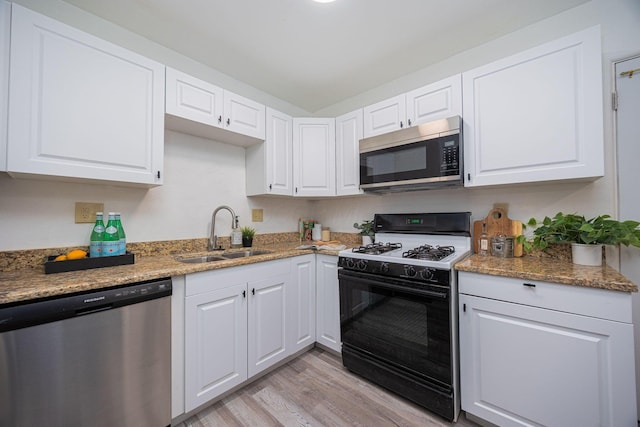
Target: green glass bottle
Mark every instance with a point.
(97, 233)
(122, 243)
(110, 238)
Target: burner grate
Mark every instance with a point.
(428, 252)
(377, 248)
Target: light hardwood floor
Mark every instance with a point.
(315, 390)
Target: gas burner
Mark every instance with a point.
(377, 248)
(428, 252)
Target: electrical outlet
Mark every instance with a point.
(256, 215)
(86, 212)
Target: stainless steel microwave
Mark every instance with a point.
(421, 157)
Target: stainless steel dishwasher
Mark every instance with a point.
(92, 359)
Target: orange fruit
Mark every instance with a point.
(61, 258)
(76, 254)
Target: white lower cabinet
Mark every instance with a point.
(267, 334)
(302, 307)
(532, 356)
(5, 36)
(236, 326)
(328, 302)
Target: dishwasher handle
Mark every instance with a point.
(38, 312)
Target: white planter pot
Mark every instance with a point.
(366, 240)
(586, 254)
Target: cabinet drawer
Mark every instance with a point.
(600, 303)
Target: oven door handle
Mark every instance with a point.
(370, 281)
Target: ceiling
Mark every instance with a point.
(314, 55)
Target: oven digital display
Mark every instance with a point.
(414, 221)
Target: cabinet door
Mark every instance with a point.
(348, 136)
(522, 365)
(438, 100)
(328, 300)
(302, 304)
(385, 116)
(314, 159)
(193, 99)
(537, 115)
(5, 25)
(267, 322)
(244, 116)
(269, 165)
(215, 343)
(81, 107)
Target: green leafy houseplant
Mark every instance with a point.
(248, 232)
(366, 228)
(574, 228)
(586, 236)
(247, 236)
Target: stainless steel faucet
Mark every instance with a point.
(213, 239)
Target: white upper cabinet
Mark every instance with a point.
(435, 101)
(385, 116)
(268, 165)
(348, 136)
(5, 37)
(193, 99)
(314, 157)
(81, 107)
(202, 109)
(536, 115)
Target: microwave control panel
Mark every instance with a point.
(450, 155)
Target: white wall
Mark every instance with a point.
(619, 21)
(202, 174)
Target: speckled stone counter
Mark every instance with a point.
(31, 283)
(548, 270)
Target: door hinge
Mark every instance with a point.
(614, 101)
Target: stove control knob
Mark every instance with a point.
(410, 270)
(384, 267)
(362, 264)
(350, 262)
(426, 274)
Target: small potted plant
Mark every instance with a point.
(366, 231)
(247, 236)
(586, 236)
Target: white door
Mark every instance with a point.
(328, 296)
(628, 146)
(215, 343)
(278, 146)
(267, 320)
(348, 136)
(82, 107)
(193, 98)
(385, 116)
(314, 156)
(5, 25)
(243, 115)
(438, 100)
(302, 304)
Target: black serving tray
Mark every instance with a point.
(51, 266)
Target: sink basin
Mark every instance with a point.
(201, 259)
(222, 256)
(246, 253)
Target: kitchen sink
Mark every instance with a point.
(201, 259)
(246, 253)
(221, 257)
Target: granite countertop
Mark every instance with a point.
(548, 270)
(33, 283)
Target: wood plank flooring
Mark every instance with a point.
(315, 390)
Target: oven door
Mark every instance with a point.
(399, 323)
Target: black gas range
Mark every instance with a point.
(398, 307)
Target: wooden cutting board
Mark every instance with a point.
(498, 223)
